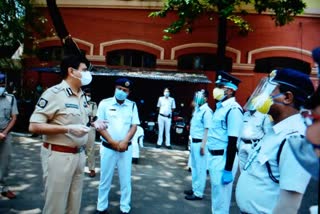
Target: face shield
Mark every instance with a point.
(261, 99)
(199, 98)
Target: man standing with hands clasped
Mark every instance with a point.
(61, 116)
(116, 150)
(166, 105)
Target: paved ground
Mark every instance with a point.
(158, 183)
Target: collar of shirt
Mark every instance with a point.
(68, 89)
(203, 106)
(228, 101)
(283, 125)
(114, 102)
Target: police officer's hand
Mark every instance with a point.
(2, 136)
(78, 130)
(100, 124)
(123, 146)
(227, 177)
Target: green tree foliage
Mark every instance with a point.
(228, 12)
(18, 21)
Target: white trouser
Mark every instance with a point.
(109, 160)
(198, 169)
(244, 151)
(164, 123)
(220, 193)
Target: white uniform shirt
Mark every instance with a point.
(166, 105)
(119, 117)
(218, 135)
(201, 119)
(255, 125)
(255, 191)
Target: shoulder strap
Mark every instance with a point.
(278, 161)
(229, 112)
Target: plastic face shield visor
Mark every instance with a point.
(261, 98)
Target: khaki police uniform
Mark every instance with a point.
(8, 107)
(90, 151)
(62, 171)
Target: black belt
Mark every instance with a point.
(218, 152)
(107, 145)
(195, 140)
(250, 141)
(163, 115)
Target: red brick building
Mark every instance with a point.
(119, 34)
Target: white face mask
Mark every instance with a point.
(88, 98)
(2, 90)
(86, 78)
(166, 93)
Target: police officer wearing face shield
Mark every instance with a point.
(201, 121)
(272, 180)
(8, 117)
(61, 116)
(222, 141)
(116, 149)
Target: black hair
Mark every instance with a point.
(70, 61)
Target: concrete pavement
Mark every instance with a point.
(158, 183)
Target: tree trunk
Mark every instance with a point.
(222, 43)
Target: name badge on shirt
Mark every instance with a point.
(70, 105)
(112, 109)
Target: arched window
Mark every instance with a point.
(53, 53)
(202, 62)
(131, 58)
(266, 65)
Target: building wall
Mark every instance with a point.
(99, 27)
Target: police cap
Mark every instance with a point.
(296, 80)
(124, 82)
(227, 80)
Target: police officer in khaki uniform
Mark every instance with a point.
(61, 115)
(8, 117)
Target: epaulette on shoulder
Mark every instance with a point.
(10, 95)
(56, 89)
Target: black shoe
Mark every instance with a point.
(192, 197)
(169, 147)
(123, 212)
(158, 146)
(188, 192)
(102, 212)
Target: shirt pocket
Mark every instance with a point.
(72, 115)
(219, 124)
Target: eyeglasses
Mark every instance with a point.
(309, 117)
